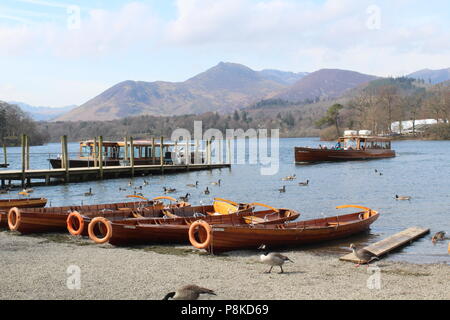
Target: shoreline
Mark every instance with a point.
(35, 267)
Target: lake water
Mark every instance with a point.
(420, 170)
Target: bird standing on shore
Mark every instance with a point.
(273, 259)
(363, 255)
(189, 292)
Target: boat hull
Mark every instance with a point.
(5, 205)
(228, 238)
(303, 155)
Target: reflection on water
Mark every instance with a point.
(421, 170)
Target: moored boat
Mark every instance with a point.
(176, 228)
(351, 146)
(220, 238)
(34, 220)
(7, 204)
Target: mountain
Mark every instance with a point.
(223, 88)
(42, 113)
(323, 84)
(431, 76)
(284, 77)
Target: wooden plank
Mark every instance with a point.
(391, 243)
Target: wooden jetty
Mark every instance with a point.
(67, 174)
(391, 243)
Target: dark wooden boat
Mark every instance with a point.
(7, 204)
(350, 147)
(34, 220)
(176, 228)
(220, 238)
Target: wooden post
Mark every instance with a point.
(27, 152)
(196, 157)
(188, 153)
(220, 152)
(65, 156)
(229, 150)
(132, 156)
(161, 153)
(208, 144)
(5, 157)
(152, 153)
(22, 142)
(100, 156)
(125, 157)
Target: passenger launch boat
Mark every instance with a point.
(219, 238)
(352, 146)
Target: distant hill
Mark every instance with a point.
(324, 84)
(284, 77)
(223, 88)
(42, 113)
(431, 76)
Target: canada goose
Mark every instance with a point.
(376, 170)
(288, 178)
(122, 189)
(138, 188)
(169, 190)
(438, 236)
(363, 255)
(193, 185)
(185, 198)
(138, 194)
(27, 190)
(282, 189)
(303, 183)
(130, 183)
(216, 183)
(88, 194)
(189, 292)
(397, 197)
(146, 183)
(273, 259)
(206, 190)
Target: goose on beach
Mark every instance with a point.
(283, 189)
(303, 183)
(189, 292)
(363, 255)
(438, 236)
(397, 197)
(273, 258)
(193, 185)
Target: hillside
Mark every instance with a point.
(223, 88)
(42, 113)
(323, 85)
(431, 76)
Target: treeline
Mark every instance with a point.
(14, 122)
(389, 100)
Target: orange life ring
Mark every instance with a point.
(14, 219)
(103, 222)
(75, 223)
(206, 227)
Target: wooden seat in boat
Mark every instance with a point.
(253, 220)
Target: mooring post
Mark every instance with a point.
(125, 156)
(229, 150)
(22, 142)
(27, 153)
(188, 153)
(161, 153)
(209, 152)
(65, 157)
(152, 151)
(196, 157)
(5, 156)
(132, 156)
(100, 156)
(95, 153)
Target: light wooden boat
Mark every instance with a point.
(220, 238)
(176, 228)
(7, 204)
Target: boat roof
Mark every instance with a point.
(136, 143)
(367, 138)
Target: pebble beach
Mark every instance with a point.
(36, 267)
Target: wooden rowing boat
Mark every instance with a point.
(176, 228)
(34, 220)
(7, 204)
(220, 238)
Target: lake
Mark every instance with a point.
(420, 170)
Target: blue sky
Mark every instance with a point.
(50, 57)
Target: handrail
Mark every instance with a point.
(264, 205)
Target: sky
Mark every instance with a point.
(57, 53)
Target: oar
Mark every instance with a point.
(264, 205)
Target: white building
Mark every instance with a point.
(405, 127)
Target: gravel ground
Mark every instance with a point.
(35, 267)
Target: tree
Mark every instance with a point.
(331, 117)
